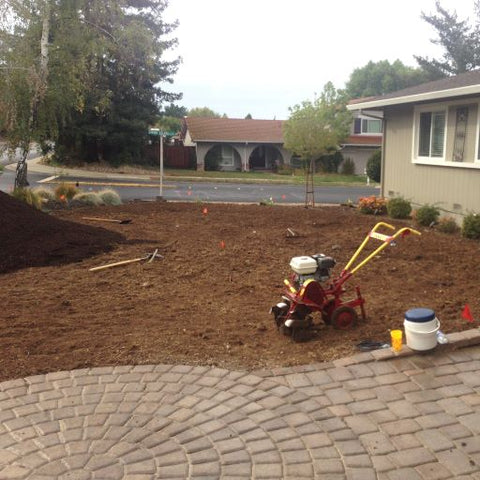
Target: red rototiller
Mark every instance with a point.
(305, 295)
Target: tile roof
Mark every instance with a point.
(234, 130)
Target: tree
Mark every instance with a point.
(378, 78)
(171, 118)
(83, 75)
(204, 112)
(317, 128)
(460, 42)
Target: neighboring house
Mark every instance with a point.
(236, 144)
(431, 151)
(248, 144)
(364, 139)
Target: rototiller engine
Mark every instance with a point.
(305, 294)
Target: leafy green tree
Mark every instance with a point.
(459, 39)
(378, 78)
(317, 128)
(204, 112)
(175, 111)
(171, 118)
(83, 75)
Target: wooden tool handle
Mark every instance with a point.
(116, 264)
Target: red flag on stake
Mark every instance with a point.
(467, 314)
(205, 211)
(222, 244)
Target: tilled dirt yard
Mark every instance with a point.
(207, 300)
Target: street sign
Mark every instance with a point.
(156, 132)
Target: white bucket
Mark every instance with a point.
(421, 327)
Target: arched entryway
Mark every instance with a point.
(265, 157)
(222, 157)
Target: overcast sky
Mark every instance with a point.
(263, 56)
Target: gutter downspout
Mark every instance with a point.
(382, 159)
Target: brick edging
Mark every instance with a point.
(456, 340)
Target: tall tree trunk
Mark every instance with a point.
(39, 90)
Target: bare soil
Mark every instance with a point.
(206, 301)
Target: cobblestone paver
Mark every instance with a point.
(360, 418)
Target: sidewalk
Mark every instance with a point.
(34, 165)
(382, 417)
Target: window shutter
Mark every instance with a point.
(357, 126)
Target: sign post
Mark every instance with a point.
(159, 133)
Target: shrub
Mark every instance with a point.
(110, 197)
(285, 170)
(399, 208)
(374, 166)
(45, 193)
(65, 191)
(88, 198)
(372, 205)
(347, 167)
(427, 215)
(447, 225)
(471, 226)
(28, 196)
(329, 163)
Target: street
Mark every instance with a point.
(145, 189)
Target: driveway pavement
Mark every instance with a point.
(376, 415)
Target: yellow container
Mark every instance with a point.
(396, 336)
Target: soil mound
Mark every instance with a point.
(30, 238)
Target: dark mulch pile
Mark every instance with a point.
(30, 238)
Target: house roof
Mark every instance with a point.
(460, 85)
(234, 130)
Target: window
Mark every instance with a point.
(227, 156)
(431, 134)
(367, 126)
(371, 126)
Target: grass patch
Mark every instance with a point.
(297, 177)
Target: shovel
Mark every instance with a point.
(111, 220)
(149, 258)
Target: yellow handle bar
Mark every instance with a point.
(385, 239)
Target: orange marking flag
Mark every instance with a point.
(467, 314)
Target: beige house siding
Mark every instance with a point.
(454, 187)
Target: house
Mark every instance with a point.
(431, 140)
(246, 144)
(236, 144)
(365, 138)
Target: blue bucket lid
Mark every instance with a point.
(420, 315)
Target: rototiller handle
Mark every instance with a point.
(385, 239)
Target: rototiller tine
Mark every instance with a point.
(305, 295)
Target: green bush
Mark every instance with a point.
(374, 166)
(471, 226)
(285, 170)
(329, 163)
(399, 208)
(65, 191)
(447, 225)
(427, 215)
(110, 197)
(347, 167)
(88, 198)
(28, 196)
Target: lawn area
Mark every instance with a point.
(298, 177)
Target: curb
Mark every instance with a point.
(456, 340)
